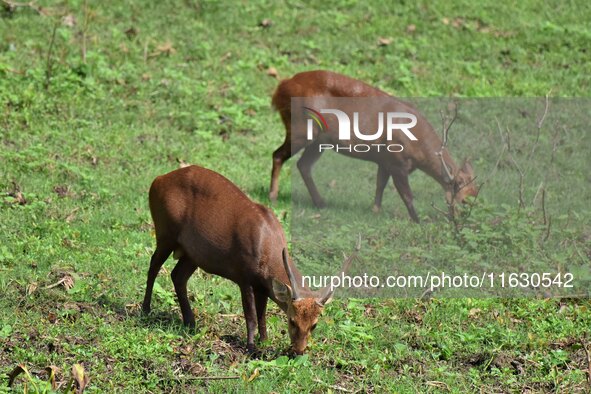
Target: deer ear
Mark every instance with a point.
(326, 299)
(282, 291)
(467, 167)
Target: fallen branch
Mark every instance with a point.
(335, 387)
(185, 378)
(67, 281)
(56, 284)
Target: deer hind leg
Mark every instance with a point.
(158, 258)
(381, 182)
(311, 154)
(280, 156)
(180, 276)
(401, 183)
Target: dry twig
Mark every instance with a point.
(49, 63)
(335, 387)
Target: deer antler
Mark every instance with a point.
(446, 127)
(295, 295)
(328, 291)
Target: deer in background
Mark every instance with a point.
(428, 154)
(207, 222)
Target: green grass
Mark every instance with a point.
(164, 82)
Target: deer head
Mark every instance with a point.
(303, 311)
(460, 184)
(463, 183)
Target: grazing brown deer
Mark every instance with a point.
(428, 154)
(207, 222)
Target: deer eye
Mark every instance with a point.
(292, 322)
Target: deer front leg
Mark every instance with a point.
(401, 183)
(250, 315)
(261, 299)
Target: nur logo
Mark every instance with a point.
(392, 121)
(318, 119)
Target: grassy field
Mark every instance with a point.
(98, 98)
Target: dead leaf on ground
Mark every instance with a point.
(20, 198)
(32, 287)
(69, 20)
(80, 377)
(186, 350)
(67, 281)
(72, 215)
(134, 307)
(474, 312)
(182, 163)
(198, 369)
(21, 368)
(369, 311)
(16, 193)
(383, 41)
(165, 48)
(71, 307)
(411, 28)
(131, 32)
(62, 190)
(225, 57)
(256, 373)
(272, 72)
(52, 370)
(52, 317)
(266, 23)
(457, 22)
